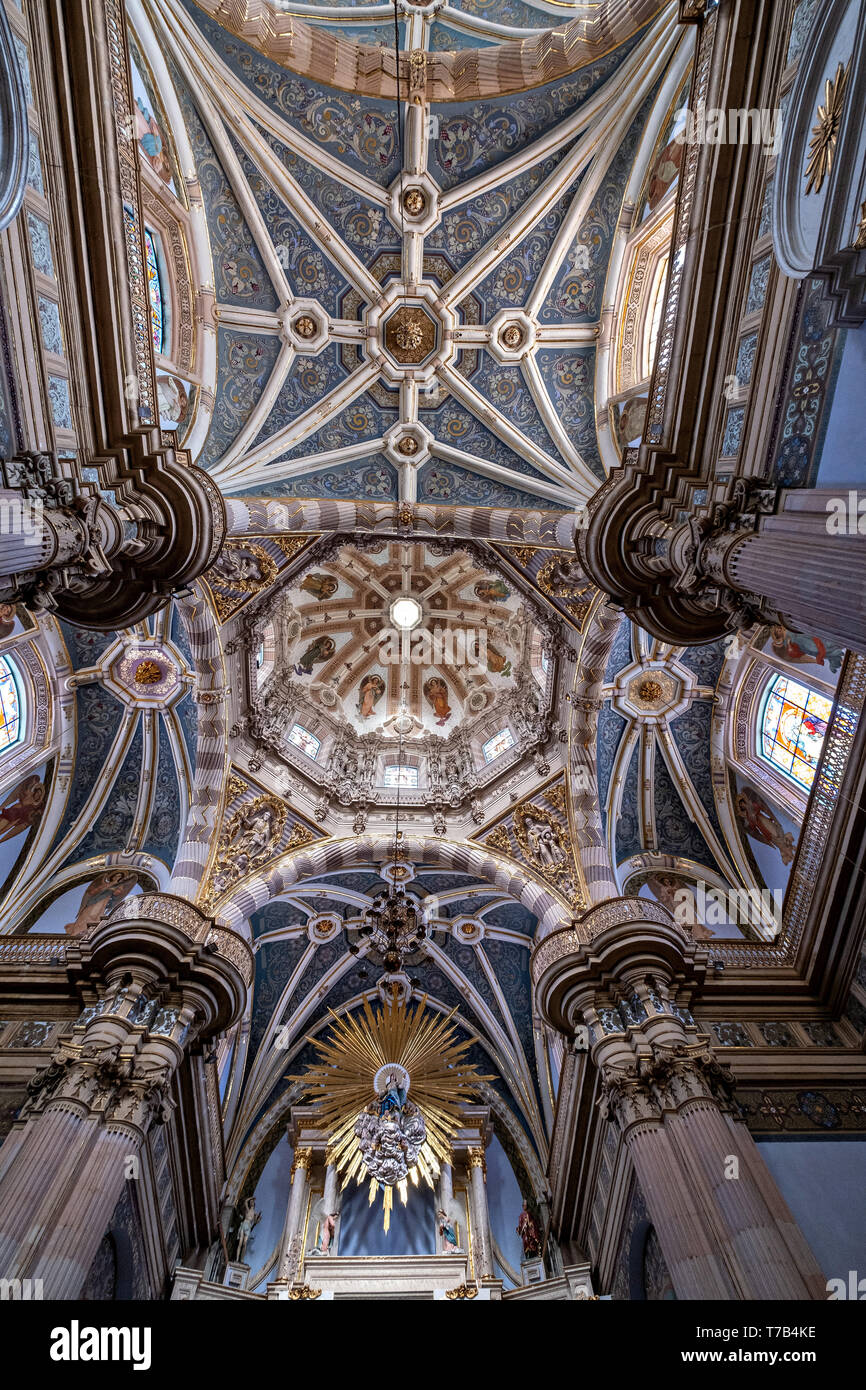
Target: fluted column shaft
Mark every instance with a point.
(292, 1256)
(483, 1248)
(627, 972)
(802, 569)
(89, 1111)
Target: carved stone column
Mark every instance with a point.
(100, 565)
(293, 1256)
(166, 980)
(627, 972)
(763, 555)
(483, 1246)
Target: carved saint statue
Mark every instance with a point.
(544, 843)
(448, 1233)
(326, 1232)
(249, 1220)
(394, 1096)
(527, 1229)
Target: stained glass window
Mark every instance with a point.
(654, 317)
(793, 725)
(498, 744)
(154, 291)
(399, 775)
(11, 723)
(303, 739)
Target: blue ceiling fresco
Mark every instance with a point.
(361, 224)
(99, 722)
(306, 269)
(362, 134)
(675, 831)
(365, 478)
(481, 136)
(465, 229)
(240, 274)
(309, 379)
(355, 137)
(449, 483)
(244, 364)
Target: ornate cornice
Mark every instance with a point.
(467, 75)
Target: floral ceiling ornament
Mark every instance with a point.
(148, 673)
(825, 132)
(361, 1080)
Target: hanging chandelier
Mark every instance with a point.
(393, 926)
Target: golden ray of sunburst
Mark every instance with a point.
(341, 1082)
(826, 130)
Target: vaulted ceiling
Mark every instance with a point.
(407, 295)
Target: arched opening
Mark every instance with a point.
(12, 706)
(792, 723)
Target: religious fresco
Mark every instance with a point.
(337, 633)
(22, 807)
(702, 908)
(176, 399)
(14, 619)
(150, 125)
(805, 649)
(667, 159)
(629, 417)
(770, 833)
(73, 909)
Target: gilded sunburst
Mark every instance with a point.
(366, 1069)
(825, 132)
